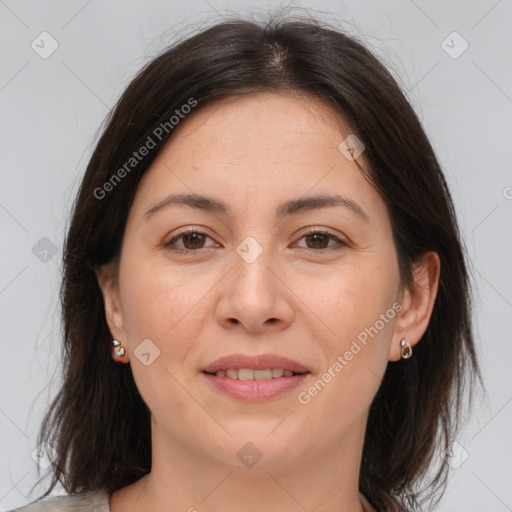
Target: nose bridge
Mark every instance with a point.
(254, 296)
(252, 260)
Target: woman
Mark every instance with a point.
(266, 303)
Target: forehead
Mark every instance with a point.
(264, 120)
(258, 147)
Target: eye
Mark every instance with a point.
(191, 240)
(317, 241)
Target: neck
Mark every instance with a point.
(323, 479)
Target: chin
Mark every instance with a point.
(256, 448)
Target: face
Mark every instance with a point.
(260, 271)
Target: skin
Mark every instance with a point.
(253, 153)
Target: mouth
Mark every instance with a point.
(255, 378)
(246, 374)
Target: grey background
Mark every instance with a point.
(51, 110)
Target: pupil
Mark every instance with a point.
(318, 239)
(195, 238)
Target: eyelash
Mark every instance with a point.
(310, 232)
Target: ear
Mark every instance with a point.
(107, 280)
(417, 303)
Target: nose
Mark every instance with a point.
(254, 296)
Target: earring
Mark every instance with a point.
(406, 349)
(117, 352)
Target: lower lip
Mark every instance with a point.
(255, 390)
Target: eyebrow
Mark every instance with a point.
(290, 207)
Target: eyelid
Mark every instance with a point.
(319, 230)
(187, 231)
(341, 242)
(309, 232)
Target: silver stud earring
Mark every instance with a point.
(117, 352)
(406, 349)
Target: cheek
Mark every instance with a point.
(166, 307)
(158, 300)
(359, 306)
(355, 354)
(353, 299)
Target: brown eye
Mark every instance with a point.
(316, 241)
(188, 241)
(193, 240)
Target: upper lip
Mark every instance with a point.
(259, 362)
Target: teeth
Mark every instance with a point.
(232, 374)
(245, 374)
(249, 374)
(262, 374)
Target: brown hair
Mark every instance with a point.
(98, 423)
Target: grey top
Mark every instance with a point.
(93, 501)
(89, 501)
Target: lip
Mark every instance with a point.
(259, 362)
(255, 390)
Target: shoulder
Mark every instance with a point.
(88, 501)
